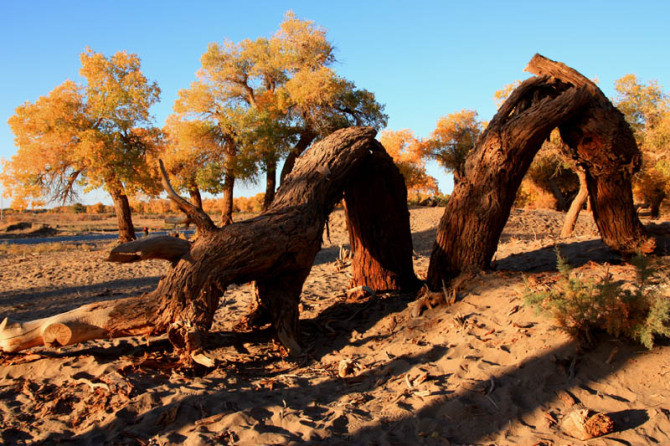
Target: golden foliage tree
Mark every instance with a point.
(453, 138)
(272, 97)
(408, 154)
(97, 135)
(647, 110)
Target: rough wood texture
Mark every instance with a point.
(602, 142)
(480, 204)
(154, 247)
(378, 225)
(276, 249)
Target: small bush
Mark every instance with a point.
(581, 307)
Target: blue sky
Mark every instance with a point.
(422, 59)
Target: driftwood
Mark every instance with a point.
(276, 249)
(600, 140)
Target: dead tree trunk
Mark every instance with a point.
(576, 206)
(480, 204)
(276, 249)
(378, 225)
(602, 142)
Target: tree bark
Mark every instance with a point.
(306, 138)
(576, 206)
(276, 249)
(123, 216)
(603, 143)
(270, 183)
(227, 201)
(382, 247)
(480, 204)
(196, 197)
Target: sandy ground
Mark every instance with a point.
(485, 370)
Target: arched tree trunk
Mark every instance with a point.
(602, 142)
(599, 139)
(576, 206)
(480, 204)
(123, 216)
(276, 249)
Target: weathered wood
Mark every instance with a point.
(154, 247)
(602, 142)
(480, 204)
(275, 249)
(378, 225)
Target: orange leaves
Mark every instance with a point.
(408, 154)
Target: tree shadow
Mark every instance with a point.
(458, 414)
(46, 301)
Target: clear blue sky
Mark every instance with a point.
(422, 59)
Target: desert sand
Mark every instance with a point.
(484, 370)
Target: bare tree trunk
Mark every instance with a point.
(276, 249)
(382, 247)
(227, 201)
(576, 206)
(601, 140)
(561, 204)
(306, 138)
(270, 182)
(196, 198)
(123, 216)
(480, 204)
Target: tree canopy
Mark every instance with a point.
(263, 99)
(97, 135)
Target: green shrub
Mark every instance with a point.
(580, 307)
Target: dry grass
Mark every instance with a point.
(44, 248)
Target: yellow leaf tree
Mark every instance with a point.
(408, 154)
(647, 109)
(96, 135)
(271, 98)
(453, 138)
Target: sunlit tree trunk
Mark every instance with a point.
(196, 197)
(123, 216)
(576, 206)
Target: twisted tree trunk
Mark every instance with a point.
(276, 249)
(602, 142)
(480, 204)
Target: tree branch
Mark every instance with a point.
(197, 215)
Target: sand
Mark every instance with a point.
(485, 370)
